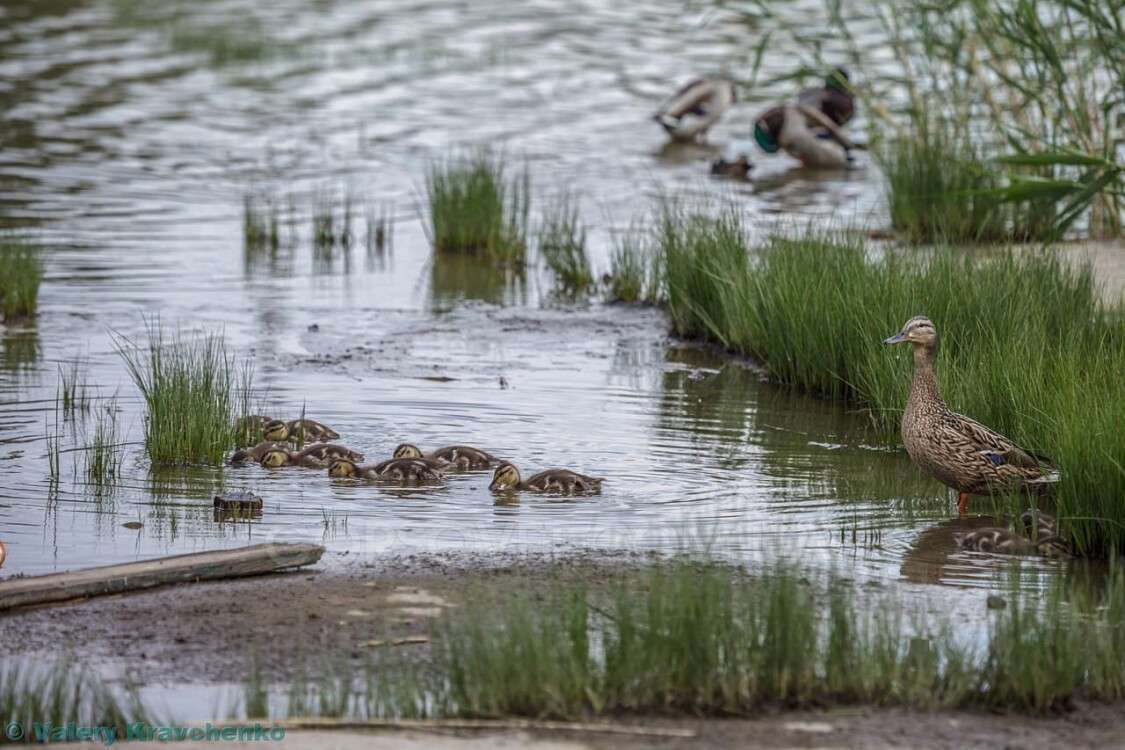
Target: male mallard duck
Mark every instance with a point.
(507, 477)
(834, 98)
(256, 452)
(401, 470)
(692, 110)
(314, 457)
(959, 452)
(454, 456)
(304, 430)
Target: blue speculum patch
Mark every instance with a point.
(995, 458)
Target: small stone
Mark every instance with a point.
(996, 602)
(314, 327)
(133, 525)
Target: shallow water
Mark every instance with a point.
(132, 131)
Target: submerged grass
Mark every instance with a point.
(194, 392)
(103, 454)
(478, 208)
(72, 396)
(699, 638)
(562, 243)
(1028, 346)
(21, 270)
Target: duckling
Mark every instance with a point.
(691, 111)
(406, 450)
(738, 168)
(455, 456)
(1043, 529)
(256, 452)
(997, 541)
(507, 477)
(305, 430)
(401, 470)
(313, 457)
(956, 450)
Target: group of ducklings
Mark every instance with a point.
(407, 466)
(1042, 538)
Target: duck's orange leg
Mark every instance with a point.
(963, 503)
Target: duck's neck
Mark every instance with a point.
(924, 394)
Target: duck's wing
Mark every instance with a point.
(693, 98)
(972, 436)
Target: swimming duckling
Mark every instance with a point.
(256, 452)
(507, 477)
(692, 110)
(997, 541)
(1044, 532)
(313, 457)
(455, 456)
(406, 450)
(304, 430)
(401, 470)
(737, 168)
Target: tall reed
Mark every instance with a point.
(193, 391)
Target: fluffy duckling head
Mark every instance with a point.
(507, 477)
(919, 331)
(406, 450)
(1039, 524)
(276, 430)
(275, 458)
(342, 468)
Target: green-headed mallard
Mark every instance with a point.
(834, 98)
(507, 477)
(400, 470)
(461, 457)
(314, 457)
(298, 430)
(959, 452)
(256, 452)
(690, 112)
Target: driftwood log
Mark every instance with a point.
(114, 579)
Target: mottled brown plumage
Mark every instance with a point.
(563, 481)
(256, 452)
(314, 457)
(461, 457)
(399, 470)
(299, 430)
(956, 450)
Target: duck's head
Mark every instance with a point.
(406, 450)
(838, 81)
(238, 456)
(275, 458)
(276, 430)
(342, 468)
(767, 129)
(507, 477)
(918, 331)
(1039, 523)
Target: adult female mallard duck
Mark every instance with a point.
(401, 470)
(314, 457)
(256, 452)
(692, 110)
(303, 430)
(461, 457)
(507, 477)
(959, 452)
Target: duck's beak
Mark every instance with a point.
(898, 338)
(494, 485)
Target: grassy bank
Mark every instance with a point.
(31, 696)
(21, 270)
(702, 639)
(1027, 345)
(194, 392)
(478, 208)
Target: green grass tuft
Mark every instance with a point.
(634, 275)
(1028, 346)
(31, 695)
(562, 243)
(194, 392)
(477, 208)
(21, 270)
(939, 190)
(104, 454)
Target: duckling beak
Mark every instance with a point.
(898, 338)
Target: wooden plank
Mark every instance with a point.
(114, 579)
